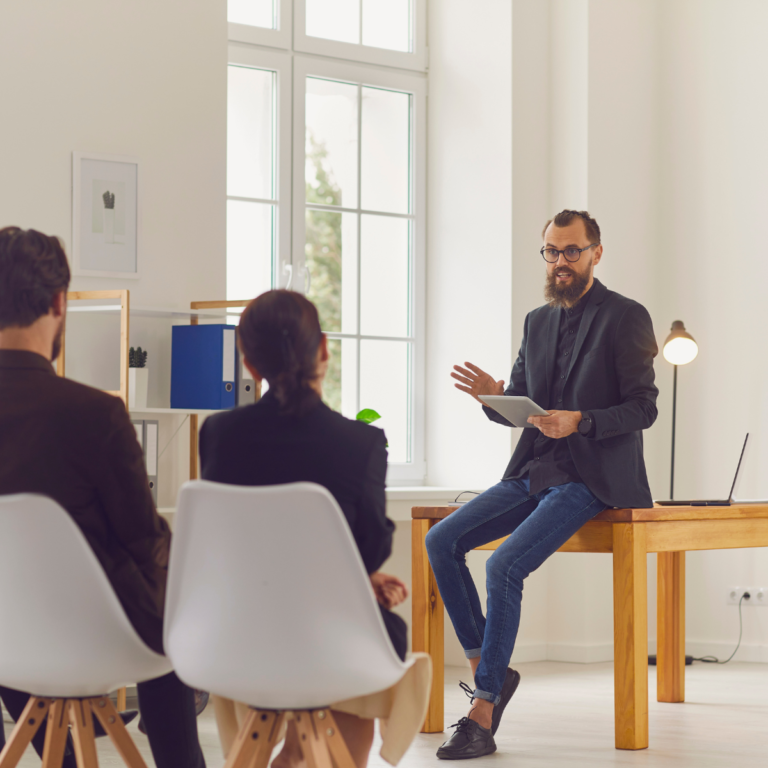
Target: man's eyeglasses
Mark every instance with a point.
(551, 255)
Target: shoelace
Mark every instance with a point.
(470, 693)
(461, 726)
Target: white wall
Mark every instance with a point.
(469, 280)
(144, 79)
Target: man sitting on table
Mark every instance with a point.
(587, 357)
(77, 445)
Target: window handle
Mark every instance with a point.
(307, 280)
(289, 269)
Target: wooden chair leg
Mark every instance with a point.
(81, 718)
(122, 700)
(56, 733)
(265, 753)
(29, 723)
(256, 739)
(112, 723)
(313, 745)
(326, 726)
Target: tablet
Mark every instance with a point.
(515, 410)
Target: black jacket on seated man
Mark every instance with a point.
(260, 445)
(610, 376)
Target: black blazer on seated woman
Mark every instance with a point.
(259, 445)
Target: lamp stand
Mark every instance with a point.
(674, 419)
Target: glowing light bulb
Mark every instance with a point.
(680, 347)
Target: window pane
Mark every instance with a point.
(384, 378)
(331, 143)
(250, 132)
(385, 276)
(331, 256)
(387, 24)
(256, 13)
(386, 151)
(334, 20)
(249, 249)
(340, 386)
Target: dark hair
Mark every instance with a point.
(33, 269)
(566, 217)
(279, 334)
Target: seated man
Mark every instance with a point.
(77, 445)
(587, 357)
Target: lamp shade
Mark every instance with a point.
(680, 347)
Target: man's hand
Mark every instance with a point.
(476, 382)
(389, 590)
(558, 424)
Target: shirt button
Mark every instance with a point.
(537, 458)
(559, 399)
(562, 377)
(571, 331)
(565, 354)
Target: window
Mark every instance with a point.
(346, 226)
(388, 32)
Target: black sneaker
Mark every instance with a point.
(469, 740)
(511, 681)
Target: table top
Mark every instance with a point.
(655, 514)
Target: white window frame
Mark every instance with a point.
(274, 38)
(281, 64)
(401, 473)
(418, 59)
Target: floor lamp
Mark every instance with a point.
(679, 349)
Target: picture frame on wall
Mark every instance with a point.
(105, 215)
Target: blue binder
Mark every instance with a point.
(203, 362)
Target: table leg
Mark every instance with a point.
(670, 651)
(428, 622)
(630, 621)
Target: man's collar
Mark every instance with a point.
(21, 358)
(598, 292)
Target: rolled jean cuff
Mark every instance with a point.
(487, 696)
(474, 653)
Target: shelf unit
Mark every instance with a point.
(108, 302)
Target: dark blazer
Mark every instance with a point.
(77, 445)
(259, 445)
(611, 375)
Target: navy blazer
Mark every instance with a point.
(611, 375)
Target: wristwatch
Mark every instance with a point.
(585, 425)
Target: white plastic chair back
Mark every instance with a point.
(268, 601)
(63, 632)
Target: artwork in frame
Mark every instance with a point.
(105, 215)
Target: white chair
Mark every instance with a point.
(269, 604)
(64, 635)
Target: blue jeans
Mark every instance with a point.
(537, 526)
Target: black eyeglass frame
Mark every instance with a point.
(571, 261)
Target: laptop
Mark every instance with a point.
(716, 502)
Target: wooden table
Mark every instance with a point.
(630, 534)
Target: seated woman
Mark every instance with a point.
(290, 435)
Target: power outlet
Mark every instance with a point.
(757, 595)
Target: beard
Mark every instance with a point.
(56, 351)
(566, 295)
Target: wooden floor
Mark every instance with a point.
(562, 715)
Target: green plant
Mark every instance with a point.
(368, 415)
(109, 202)
(137, 358)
